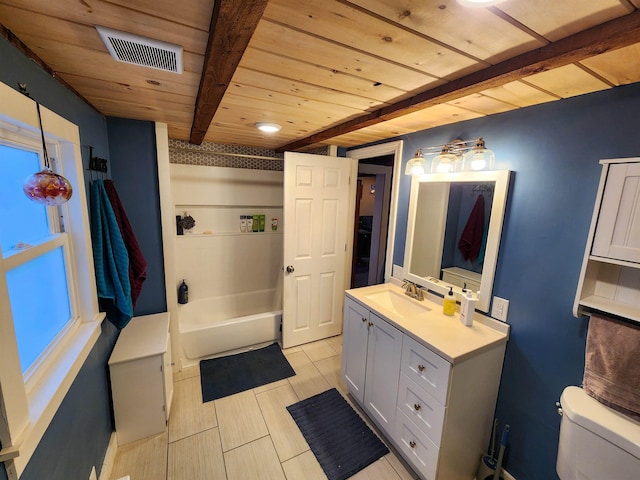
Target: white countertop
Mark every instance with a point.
(443, 334)
(144, 336)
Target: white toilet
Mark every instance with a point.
(596, 442)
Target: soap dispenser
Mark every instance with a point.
(467, 308)
(449, 304)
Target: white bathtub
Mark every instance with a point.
(216, 325)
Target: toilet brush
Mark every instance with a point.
(503, 445)
(488, 462)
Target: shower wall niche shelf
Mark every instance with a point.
(610, 276)
(228, 234)
(225, 219)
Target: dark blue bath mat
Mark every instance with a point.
(220, 377)
(338, 437)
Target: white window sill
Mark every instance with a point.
(45, 398)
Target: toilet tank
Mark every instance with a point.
(596, 442)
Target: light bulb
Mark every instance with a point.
(444, 168)
(478, 162)
(417, 169)
(445, 162)
(479, 3)
(478, 158)
(416, 166)
(268, 127)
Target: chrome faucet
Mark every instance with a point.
(413, 290)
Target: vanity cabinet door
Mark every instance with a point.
(617, 233)
(354, 351)
(384, 352)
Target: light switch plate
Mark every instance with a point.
(499, 308)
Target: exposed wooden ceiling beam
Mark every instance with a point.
(232, 25)
(611, 35)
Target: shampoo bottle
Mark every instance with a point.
(449, 304)
(183, 293)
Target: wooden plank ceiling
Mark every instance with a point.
(332, 72)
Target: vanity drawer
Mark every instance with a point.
(423, 410)
(417, 447)
(427, 369)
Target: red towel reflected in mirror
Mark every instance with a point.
(470, 242)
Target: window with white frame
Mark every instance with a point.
(36, 257)
(49, 315)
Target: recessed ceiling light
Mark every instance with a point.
(478, 3)
(268, 127)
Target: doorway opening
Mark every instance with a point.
(371, 229)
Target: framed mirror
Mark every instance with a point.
(453, 232)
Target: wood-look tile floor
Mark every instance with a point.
(247, 436)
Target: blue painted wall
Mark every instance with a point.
(134, 170)
(78, 436)
(553, 150)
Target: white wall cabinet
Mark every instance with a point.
(372, 362)
(141, 378)
(617, 234)
(610, 277)
(443, 407)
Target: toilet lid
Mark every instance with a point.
(596, 417)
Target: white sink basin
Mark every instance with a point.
(397, 302)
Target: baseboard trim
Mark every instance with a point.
(504, 475)
(109, 458)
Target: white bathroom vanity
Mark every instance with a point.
(426, 380)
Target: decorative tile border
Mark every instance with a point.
(234, 156)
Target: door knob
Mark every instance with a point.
(290, 269)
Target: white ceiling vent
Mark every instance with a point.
(147, 52)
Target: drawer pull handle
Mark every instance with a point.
(417, 407)
(412, 444)
(422, 368)
(371, 324)
(364, 319)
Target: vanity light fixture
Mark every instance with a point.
(268, 127)
(417, 165)
(478, 158)
(457, 155)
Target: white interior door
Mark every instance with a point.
(319, 202)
